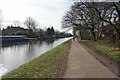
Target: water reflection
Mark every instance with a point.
(12, 44)
(3, 70)
(12, 56)
(49, 41)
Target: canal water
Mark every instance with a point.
(13, 56)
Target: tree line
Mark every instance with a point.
(32, 30)
(94, 20)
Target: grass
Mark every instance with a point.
(42, 66)
(104, 47)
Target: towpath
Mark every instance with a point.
(82, 64)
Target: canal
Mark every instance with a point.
(12, 56)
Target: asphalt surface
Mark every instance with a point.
(81, 64)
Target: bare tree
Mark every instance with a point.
(109, 13)
(94, 16)
(81, 16)
(31, 23)
(17, 23)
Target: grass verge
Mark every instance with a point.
(42, 66)
(104, 47)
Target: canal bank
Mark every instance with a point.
(43, 66)
(12, 56)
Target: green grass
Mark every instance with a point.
(42, 66)
(104, 47)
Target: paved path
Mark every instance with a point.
(81, 64)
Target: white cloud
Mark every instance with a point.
(46, 13)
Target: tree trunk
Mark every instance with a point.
(81, 36)
(93, 33)
(94, 36)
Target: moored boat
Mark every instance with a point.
(13, 38)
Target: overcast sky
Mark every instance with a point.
(45, 12)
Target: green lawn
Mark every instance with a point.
(42, 66)
(104, 47)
